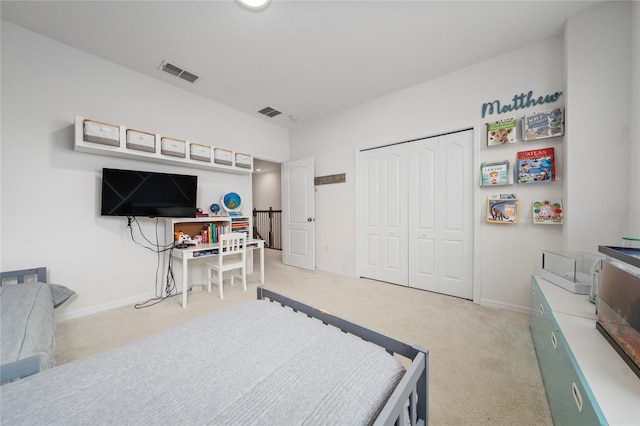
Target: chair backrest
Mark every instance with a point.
(232, 243)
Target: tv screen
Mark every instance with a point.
(137, 193)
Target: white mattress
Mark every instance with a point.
(255, 363)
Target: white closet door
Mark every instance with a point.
(383, 214)
(440, 211)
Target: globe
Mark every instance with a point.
(215, 208)
(231, 201)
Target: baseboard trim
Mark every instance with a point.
(506, 306)
(104, 307)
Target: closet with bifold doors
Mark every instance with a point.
(416, 213)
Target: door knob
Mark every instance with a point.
(310, 219)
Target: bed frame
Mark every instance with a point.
(407, 403)
(20, 275)
(412, 391)
(27, 366)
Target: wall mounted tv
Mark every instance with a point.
(138, 193)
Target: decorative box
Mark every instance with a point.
(571, 270)
(141, 141)
(173, 147)
(222, 156)
(103, 133)
(243, 160)
(200, 152)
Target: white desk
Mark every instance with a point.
(206, 250)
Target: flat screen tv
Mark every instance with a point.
(138, 193)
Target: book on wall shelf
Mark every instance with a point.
(548, 212)
(536, 165)
(501, 132)
(495, 173)
(543, 124)
(503, 208)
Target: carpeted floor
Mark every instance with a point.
(482, 365)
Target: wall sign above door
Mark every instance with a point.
(324, 180)
(520, 101)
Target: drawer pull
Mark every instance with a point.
(541, 309)
(554, 340)
(576, 396)
(533, 290)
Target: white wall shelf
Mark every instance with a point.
(155, 155)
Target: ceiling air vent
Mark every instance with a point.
(178, 72)
(185, 75)
(269, 112)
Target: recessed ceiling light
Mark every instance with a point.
(254, 4)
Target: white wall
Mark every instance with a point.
(51, 194)
(267, 190)
(506, 255)
(634, 157)
(599, 120)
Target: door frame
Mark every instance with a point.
(476, 128)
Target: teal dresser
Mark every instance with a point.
(586, 381)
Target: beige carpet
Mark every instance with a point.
(482, 365)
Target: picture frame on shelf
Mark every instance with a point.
(536, 165)
(543, 124)
(495, 173)
(501, 132)
(548, 211)
(503, 208)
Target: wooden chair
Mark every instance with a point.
(232, 254)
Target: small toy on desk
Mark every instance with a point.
(232, 203)
(184, 240)
(200, 213)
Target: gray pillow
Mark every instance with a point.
(60, 294)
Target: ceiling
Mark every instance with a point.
(307, 59)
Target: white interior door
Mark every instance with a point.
(383, 223)
(298, 214)
(441, 214)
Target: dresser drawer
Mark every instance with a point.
(570, 399)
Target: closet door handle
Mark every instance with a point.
(541, 309)
(554, 340)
